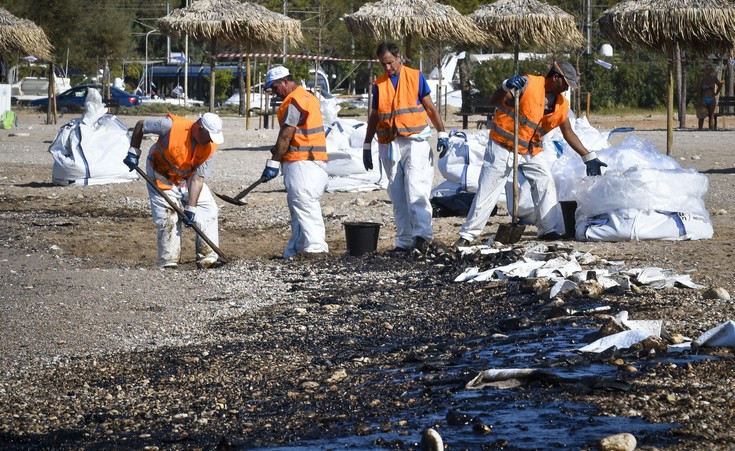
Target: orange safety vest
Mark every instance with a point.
(532, 123)
(178, 161)
(398, 113)
(309, 142)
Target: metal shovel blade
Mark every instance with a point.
(230, 200)
(509, 233)
(236, 200)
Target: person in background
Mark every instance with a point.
(301, 152)
(542, 107)
(179, 162)
(708, 88)
(400, 107)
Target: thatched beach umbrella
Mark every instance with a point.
(704, 26)
(528, 25)
(427, 20)
(231, 22)
(21, 37)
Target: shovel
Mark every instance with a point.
(236, 200)
(181, 214)
(511, 233)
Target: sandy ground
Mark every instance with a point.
(77, 264)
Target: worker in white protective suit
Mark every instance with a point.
(542, 107)
(301, 152)
(400, 107)
(179, 162)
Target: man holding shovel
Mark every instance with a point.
(178, 163)
(542, 107)
(301, 151)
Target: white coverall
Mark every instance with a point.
(497, 167)
(305, 183)
(409, 165)
(168, 223)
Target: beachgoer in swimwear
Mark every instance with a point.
(708, 88)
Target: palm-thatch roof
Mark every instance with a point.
(231, 21)
(528, 24)
(706, 26)
(22, 37)
(427, 20)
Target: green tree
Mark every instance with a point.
(222, 83)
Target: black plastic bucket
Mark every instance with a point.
(362, 237)
(568, 210)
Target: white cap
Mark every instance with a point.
(275, 74)
(213, 124)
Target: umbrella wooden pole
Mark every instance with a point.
(670, 111)
(248, 83)
(212, 77)
(370, 89)
(439, 85)
(51, 106)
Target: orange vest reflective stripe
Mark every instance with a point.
(532, 123)
(178, 161)
(309, 142)
(398, 113)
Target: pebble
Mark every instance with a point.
(431, 441)
(337, 376)
(716, 293)
(618, 442)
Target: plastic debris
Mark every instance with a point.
(621, 340)
(722, 335)
(637, 331)
(566, 273)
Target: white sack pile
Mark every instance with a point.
(462, 163)
(642, 194)
(344, 152)
(90, 150)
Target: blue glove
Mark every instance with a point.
(442, 145)
(594, 165)
(272, 168)
(131, 159)
(367, 156)
(514, 82)
(189, 212)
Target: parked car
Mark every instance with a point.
(73, 99)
